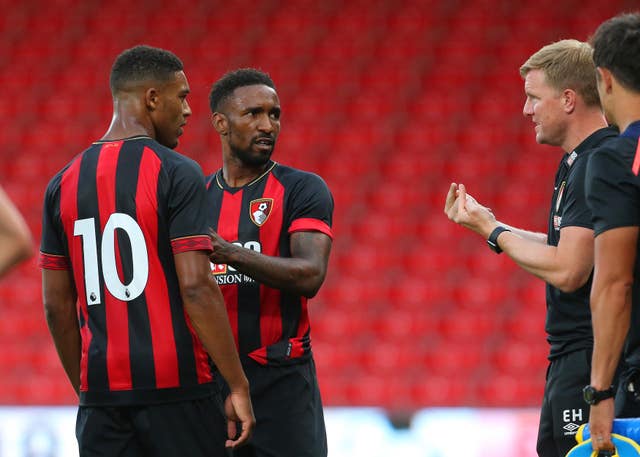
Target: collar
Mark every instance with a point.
(222, 184)
(590, 142)
(633, 131)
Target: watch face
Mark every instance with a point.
(589, 394)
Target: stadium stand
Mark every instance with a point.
(389, 101)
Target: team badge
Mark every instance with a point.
(260, 209)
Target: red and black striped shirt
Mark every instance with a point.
(269, 325)
(115, 215)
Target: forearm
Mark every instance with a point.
(204, 305)
(540, 260)
(294, 275)
(64, 329)
(536, 237)
(611, 314)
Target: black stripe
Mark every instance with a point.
(290, 307)
(87, 197)
(184, 342)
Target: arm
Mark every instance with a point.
(615, 254)
(59, 297)
(16, 244)
(303, 273)
(566, 266)
(204, 304)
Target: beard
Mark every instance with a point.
(249, 157)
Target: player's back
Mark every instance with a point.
(122, 210)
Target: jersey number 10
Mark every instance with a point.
(86, 228)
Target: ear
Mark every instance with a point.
(220, 123)
(605, 78)
(151, 98)
(569, 100)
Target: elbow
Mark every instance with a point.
(27, 249)
(572, 281)
(311, 287)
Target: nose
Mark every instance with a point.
(186, 109)
(265, 123)
(527, 109)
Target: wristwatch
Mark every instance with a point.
(593, 397)
(492, 241)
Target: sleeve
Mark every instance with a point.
(53, 249)
(188, 227)
(311, 206)
(612, 193)
(576, 212)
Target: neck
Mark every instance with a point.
(128, 120)
(626, 109)
(236, 173)
(582, 127)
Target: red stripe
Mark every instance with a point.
(157, 296)
(116, 312)
(309, 224)
(297, 350)
(228, 229)
(270, 314)
(53, 262)
(636, 161)
(69, 215)
(191, 243)
(260, 355)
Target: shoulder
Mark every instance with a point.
(615, 151)
(295, 177)
(173, 161)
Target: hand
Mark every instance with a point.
(463, 209)
(222, 249)
(600, 424)
(238, 408)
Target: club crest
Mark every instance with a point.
(260, 209)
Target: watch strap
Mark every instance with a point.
(492, 241)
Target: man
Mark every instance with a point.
(613, 195)
(124, 233)
(271, 247)
(562, 102)
(16, 244)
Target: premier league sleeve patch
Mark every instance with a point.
(260, 209)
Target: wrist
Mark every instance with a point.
(492, 239)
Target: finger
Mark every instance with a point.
(232, 430)
(247, 428)
(462, 199)
(451, 196)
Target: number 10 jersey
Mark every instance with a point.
(115, 216)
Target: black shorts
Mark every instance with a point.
(188, 428)
(288, 409)
(563, 407)
(628, 393)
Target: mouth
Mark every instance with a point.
(264, 143)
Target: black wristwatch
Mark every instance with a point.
(492, 241)
(593, 397)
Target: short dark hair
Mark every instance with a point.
(234, 79)
(142, 63)
(616, 47)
